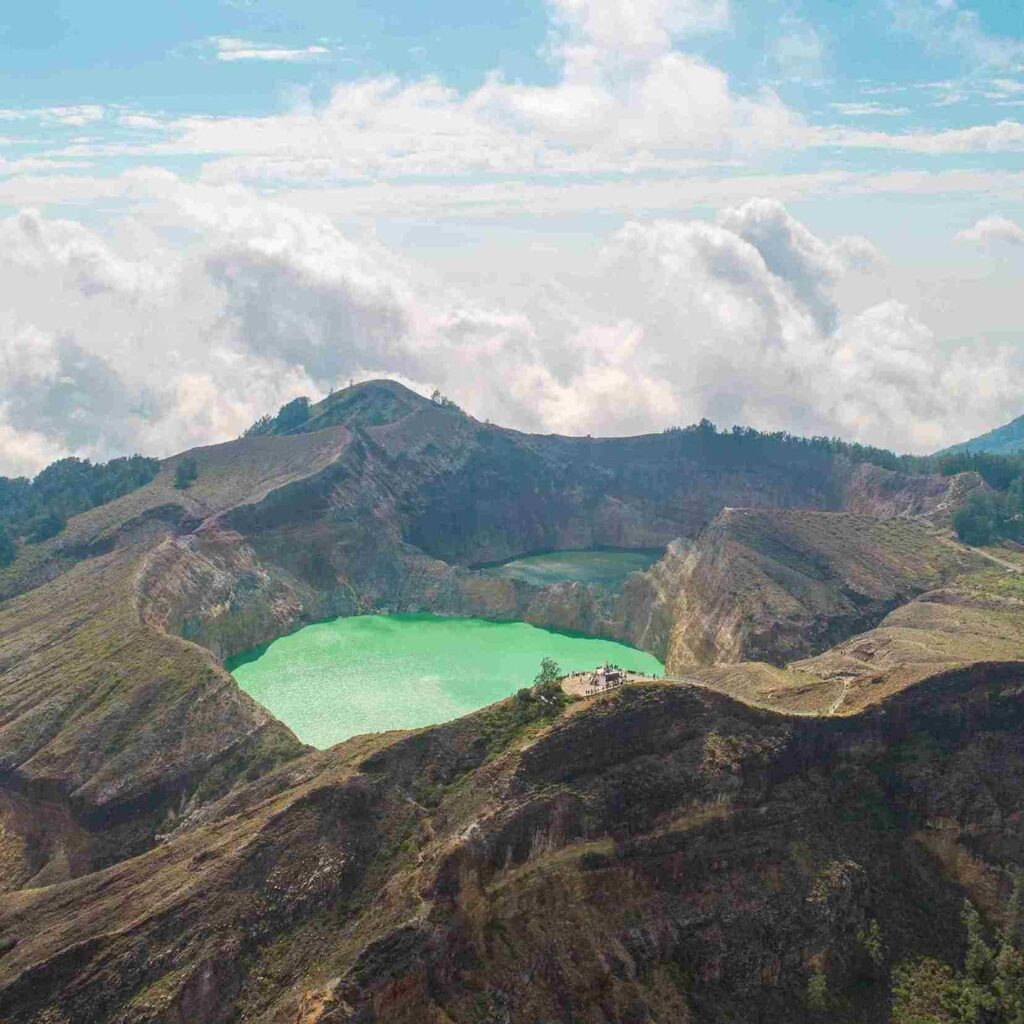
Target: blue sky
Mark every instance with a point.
(794, 214)
(111, 52)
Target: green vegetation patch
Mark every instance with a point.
(35, 510)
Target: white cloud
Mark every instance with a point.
(1004, 137)
(74, 116)
(799, 51)
(25, 451)
(1007, 86)
(869, 109)
(64, 246)
(230, 49)
(639, 27)
(140, 121)
(31, 165)
(204, 305)
(524, 198)
(947, 27)
(626, 99)
(991, 230)
(791, 253)
(854, 253)
(128, 346)
(668, 112)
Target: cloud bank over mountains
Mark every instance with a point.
(167, 277)
(155, 347)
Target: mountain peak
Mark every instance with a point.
(369, 403)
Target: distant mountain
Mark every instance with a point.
(1005, 440)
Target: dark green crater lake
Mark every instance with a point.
(609, 568)
(370, 673)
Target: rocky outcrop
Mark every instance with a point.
(871, 490)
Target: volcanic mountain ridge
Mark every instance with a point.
(172, 853)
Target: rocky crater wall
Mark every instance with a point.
(395, 521)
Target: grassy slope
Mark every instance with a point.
(1004, 440)
(115, 723)
(77, 641)
(123, 706)
(976, 617)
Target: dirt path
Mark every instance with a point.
(837, 703)
(1012, 566)
(952, 542)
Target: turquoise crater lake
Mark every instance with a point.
(607, 567)
(370, 673)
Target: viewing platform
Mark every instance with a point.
(601, 680)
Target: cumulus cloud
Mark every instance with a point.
(743, 322)
(625, 97)
(25, 451)
(639, 26)
(119, 345)
(993, 229)
(66, 247)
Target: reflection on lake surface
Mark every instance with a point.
(608, 568)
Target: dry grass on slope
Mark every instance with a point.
(774, 585)
(112, 718)
(978, 617)
(663, 852)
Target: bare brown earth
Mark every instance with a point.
(670, 852)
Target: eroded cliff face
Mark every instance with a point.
(361, 536)
(873, 491)
(776, 585)
(510, 493)
(664, 853)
